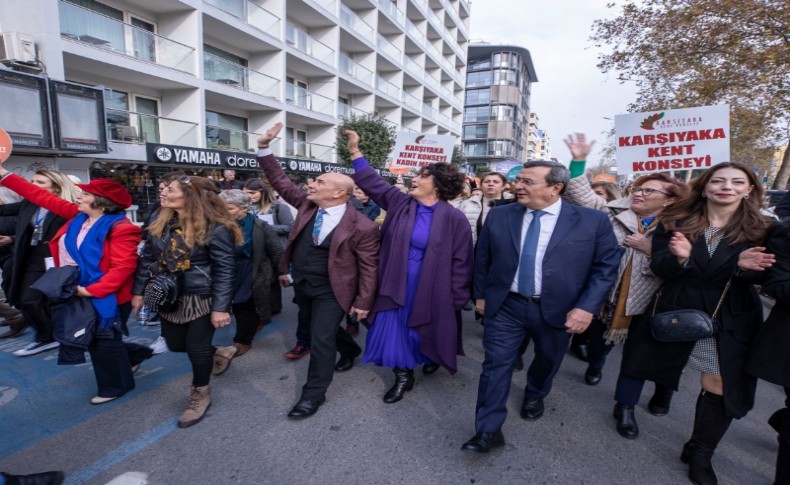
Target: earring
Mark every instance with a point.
(746, 196)
(703, 195)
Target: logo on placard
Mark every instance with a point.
(421, 140)
(647, 124)
(164, 154)
(293, 165)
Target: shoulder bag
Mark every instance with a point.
(685, 325)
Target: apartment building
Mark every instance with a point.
(189, 84)
(496, 108)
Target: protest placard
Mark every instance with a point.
(414, 150)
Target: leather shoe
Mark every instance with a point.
(14, 331)
(581, 351)
(305, 408)
(483, 442)
(344, 363)
(429, 369)
(593, 376)
(532, 409)
(626, 421)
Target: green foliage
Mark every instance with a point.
(377, 137)
(458, 156)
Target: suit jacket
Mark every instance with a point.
(353, 251)
(579, 266)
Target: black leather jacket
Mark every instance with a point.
(212, 267)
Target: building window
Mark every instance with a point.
(131, 118)
(474, 149)
(226, 131)
(477, 79)
(479, 113)
(295, 142)
(223, 67)
(475, 131)
(478, 96)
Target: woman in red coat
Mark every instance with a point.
(103, 243)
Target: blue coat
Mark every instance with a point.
(579, 266)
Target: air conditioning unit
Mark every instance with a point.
(17, 47)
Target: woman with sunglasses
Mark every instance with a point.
(634, 220)
(194, 236)
(707, 250)
(99, 239)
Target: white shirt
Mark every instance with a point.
(331, 220)
(547, 223)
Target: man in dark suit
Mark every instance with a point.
(327, 233)
(542, 269)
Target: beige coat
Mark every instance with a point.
(644, 283)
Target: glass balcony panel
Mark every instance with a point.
(140, 128)
(221, 138)
(233, 7)
(303, 149)
(392, 10)
(411, 101)
(352, 68)
(88, 27)
(387, 87)
(262, 19)
(388, 48)
(353, 22)
(301, 97)
(329, 5)
(413, 67)
(433, 51)
(235, 75)
(414, 31)
(302, 41)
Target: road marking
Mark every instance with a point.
(7, 394)
(130, 478)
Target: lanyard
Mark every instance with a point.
(41, 213)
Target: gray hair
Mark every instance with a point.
(236, 197)
(558, 173)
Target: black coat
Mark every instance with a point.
(769, 357)
(266, 255)
(699, 286)
(24, 211)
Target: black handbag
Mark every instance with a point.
(162, 291)
(685, 325)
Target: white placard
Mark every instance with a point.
(268, 218)
(677, 139)
(413, 150)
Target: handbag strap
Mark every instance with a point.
(718, 305)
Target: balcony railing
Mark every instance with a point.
(353, 22)
(388, 48)
(443, 119)
(413, 67)
(434, 52)
(346, 110)
(387, 87)
(314, 48)
(314, 151)
(235, 75)
(140, 128)
(415, 32)
(302, 98)
(392, 10)
(431, 82)
(221, 138)
(352, 68)
(251, 14)
(411, 101)
(88, 27)
(434, 20)
(328, 5)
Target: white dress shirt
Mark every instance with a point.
(331, 220)
(547, 223)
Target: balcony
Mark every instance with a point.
(328, 5)
(387, 87)
(413, 67)
(355, 70)
(220, 138)
(96, 30)
(251, 14)
(434, 20)
(389, 49)
(431, 82)
(456, 18)
(314, 48)
(302, 98)
(433, 51)
(313, 151)
(430, 112)
(411, 101)
(237, 76)
(349, 19)
(345, 111)
(139, 128)
(415, 32)
(394, 13)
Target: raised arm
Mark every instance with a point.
(382, 193)
(274, 173)
(37, 195)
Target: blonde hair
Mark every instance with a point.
(64, 187)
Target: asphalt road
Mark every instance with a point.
(46, 422)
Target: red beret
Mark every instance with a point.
(110, 189)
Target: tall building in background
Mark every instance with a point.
(496, 109)
(190, 84)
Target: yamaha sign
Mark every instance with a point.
(200, 157)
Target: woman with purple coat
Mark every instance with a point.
(425, 269)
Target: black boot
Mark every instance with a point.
(710, 424)
(783, 456)
(659, 403)
(626, 421)
(404, 381)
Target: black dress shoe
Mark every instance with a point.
(45, 478)
(483, 442)
(532, 409)
(581, 351)
(593, 376)
(344, 363)
(626, 421)
(305, 408)
(429, 369)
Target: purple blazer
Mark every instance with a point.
(443, 287)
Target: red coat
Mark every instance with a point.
(119, 260)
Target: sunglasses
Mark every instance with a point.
(185, 179)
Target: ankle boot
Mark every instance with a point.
(659, 403)
(199, 402)
(404, 381)
(710, 424)
(626, 421)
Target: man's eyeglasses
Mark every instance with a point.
(648, 191)
(528, 182)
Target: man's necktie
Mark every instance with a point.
(526, 266)
(319, 219)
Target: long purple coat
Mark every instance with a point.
(446, 273)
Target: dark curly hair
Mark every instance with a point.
(449, 182)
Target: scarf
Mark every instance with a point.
(175, 256)
(246, 225)
(88, 257)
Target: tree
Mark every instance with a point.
(683, 53)
(377, 137)
(458, 156)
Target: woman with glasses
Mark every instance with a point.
(634, 220)
(706, 248)
(194, 237)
